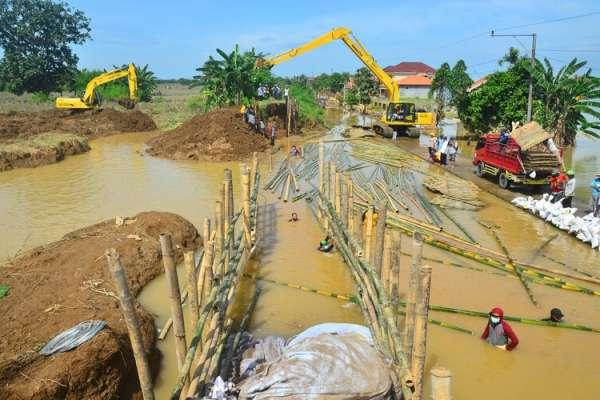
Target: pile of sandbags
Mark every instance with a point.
(586, 229)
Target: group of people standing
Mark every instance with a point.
(562, 188)
(252, 119)
(443, 150)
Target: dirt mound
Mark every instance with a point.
(54, 287)
(91, 123)
(220, 135)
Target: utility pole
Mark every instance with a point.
(533, 43)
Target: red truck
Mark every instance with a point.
(524, 159)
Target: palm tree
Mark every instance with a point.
(569, 98)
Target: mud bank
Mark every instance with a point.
(45, 137)
(219, 135)
(56, 286)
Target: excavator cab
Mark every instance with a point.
(401, 114)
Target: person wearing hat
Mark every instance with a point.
(557, 185)
(569, 189)
(555, 316)
(596, 195)
(498, 332)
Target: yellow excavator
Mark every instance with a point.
(90, 98)
(400, 116)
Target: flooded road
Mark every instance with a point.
(40, 205)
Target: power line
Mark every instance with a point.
(549, 21)
(572, 50)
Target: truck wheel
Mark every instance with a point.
(479, 169)
(378, 130)
(503, 181)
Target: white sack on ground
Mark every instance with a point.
(333, 366)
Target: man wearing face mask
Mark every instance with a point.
(498, 332)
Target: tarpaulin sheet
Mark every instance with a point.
(529, 135)
(342, 366)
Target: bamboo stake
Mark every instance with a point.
(174, 296)
(206, 231)
(253, 171)
(386, 266)
(201, 360)
(441, 383)
(192, 286)
(133, 326)
(368, 234)
(338, 194)
(420, 336)
(245, 180)
(379, 236)
(396, 255)
(227, 199)
(411, 297)
(332, 172)
(322, 167)
(287, 188)
(219, 240)
(350, 206)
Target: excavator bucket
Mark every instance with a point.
(127, 103)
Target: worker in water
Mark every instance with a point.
(555, 316)
(569, 189)
(294, 217)
(595, 186)
(326, 245)
(498, 332)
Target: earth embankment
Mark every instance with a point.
(57, 286)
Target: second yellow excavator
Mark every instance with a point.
(90, 98)
(400, 116)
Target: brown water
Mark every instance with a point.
(40, 205)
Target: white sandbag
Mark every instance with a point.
(326, 366)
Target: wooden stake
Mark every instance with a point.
(206, 277)
(174, 297)
(270, 160)
(395, 273)
(286, 191)
(379, 236)
(420, 338)
(350, 206)
(386, 266)
(441, 383)
(206, 231)
(245, 181)
(219, 239)
(338, 193)
(133, 326)
(253, 172)
(368, 234)
(192, 286)
(411, 296)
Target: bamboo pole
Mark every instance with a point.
(322, 167)
(395, 272)
(133, 326)
(206, 231)
(174, 296)
(386, 266)
(379, 236)
(344, 199)
(206, 274)
(245, 181)
(199, 363)
(332, 172)
(411, 296)
(420, 336)
(286, 191)
(227, 199)
(192, 286)
(270, 152)
(441, 383)
(368, 234)
(338, 194)
(253, 172)
(350, 206)
(219, 240)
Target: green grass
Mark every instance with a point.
(4, 290)
(310, 112)
(39, 142)
(174, 104)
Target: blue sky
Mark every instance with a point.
(176, 37)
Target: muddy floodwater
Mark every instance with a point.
(40, 205)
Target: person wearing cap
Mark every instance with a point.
(595, 186)
(569, 189)
(498, 332)
(557, 185)
(555, 316)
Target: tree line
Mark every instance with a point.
(565, 102)
(36, 38)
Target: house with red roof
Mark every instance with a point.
(412, 77)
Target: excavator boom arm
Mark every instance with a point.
(110, 76)
(345, 35)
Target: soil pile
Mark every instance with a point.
(54, 287)
(220, 135)
(91, 123)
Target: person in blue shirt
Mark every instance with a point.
(595, 185)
